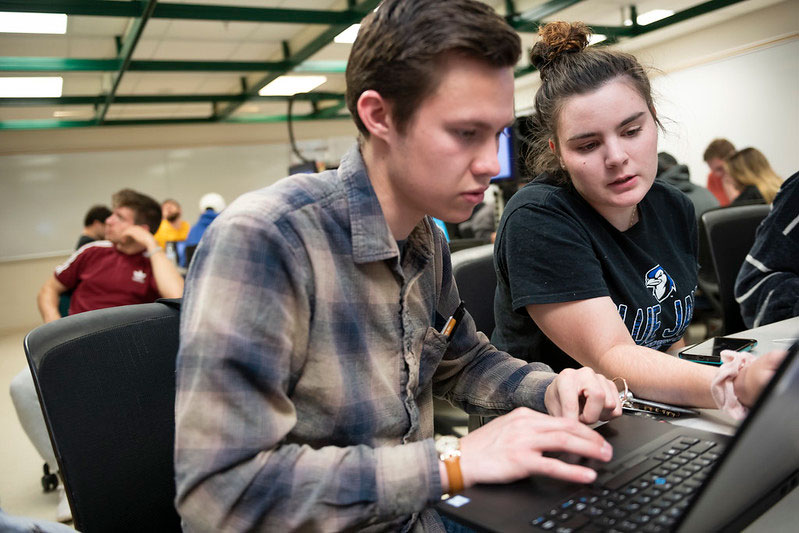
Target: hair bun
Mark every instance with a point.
(557, 39)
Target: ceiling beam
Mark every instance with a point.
(104, 8)
(47, 124)
(325, 38)
(536, 14)
(529, 24)
(125, 55)
(64, 64)
(683, 15)
(167, 99)
(614, 33)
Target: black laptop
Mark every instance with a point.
(662, 477)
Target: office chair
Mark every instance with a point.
(106, 384)
(730, 233)
(473, 270)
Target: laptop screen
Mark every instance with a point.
(763, 453)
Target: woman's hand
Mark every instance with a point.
(584, 395)
(753, 377)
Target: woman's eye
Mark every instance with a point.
(587, 147)
(632, 132)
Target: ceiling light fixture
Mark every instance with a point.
(650, 16)
(596, 38)
(348, 36)
(33, 22)
(68, 114)
(39, 87)
(289, 85)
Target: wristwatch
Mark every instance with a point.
(449, 452)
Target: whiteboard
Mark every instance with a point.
(44, 197)
(751, 99)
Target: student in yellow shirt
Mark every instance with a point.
(173, 227)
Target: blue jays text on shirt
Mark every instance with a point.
(647, 324)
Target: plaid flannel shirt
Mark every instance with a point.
(309, 356)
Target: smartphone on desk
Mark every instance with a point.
(709, 352)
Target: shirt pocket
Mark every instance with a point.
(434, 346)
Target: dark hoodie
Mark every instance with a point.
(679, 177)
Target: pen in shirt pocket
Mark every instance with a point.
(454, 321)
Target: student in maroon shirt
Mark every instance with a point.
(127, 268)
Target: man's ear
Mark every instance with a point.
(375, 113)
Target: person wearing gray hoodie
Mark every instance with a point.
(678, 176)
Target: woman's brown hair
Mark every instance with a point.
(569, 67)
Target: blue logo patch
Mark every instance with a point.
(659, 282)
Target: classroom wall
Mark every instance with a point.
(43, 198)
(736, 79)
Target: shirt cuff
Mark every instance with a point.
(408, 478)
(532, 389)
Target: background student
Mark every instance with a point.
(93, 225)
(172, 227)
(596, 260)
(127, 268)
(767, 287)
(750, 178)
(311, 332)
(715, 156)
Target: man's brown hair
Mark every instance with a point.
(399, 45)
(719, 149)
(146, 210)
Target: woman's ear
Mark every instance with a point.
(375, 113)
(555, 151)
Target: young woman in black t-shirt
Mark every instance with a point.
(596, 262)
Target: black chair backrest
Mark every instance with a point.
(106, 383)
(190, 249)
(730, 233)
(473, 269)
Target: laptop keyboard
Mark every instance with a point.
(648, 496)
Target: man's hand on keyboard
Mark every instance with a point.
(512, 447)
(584, 395)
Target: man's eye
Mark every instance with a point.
(467, 135)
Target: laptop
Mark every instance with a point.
(662, 477)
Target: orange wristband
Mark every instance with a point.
(452, 462)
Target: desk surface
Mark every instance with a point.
(779, 335)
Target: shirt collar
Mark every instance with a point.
(371, 237)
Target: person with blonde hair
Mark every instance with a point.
(750, 178)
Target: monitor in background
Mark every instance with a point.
(441, 224)
(506, 157)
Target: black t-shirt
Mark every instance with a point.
(552, 246)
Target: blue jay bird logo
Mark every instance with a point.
(659, 282)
